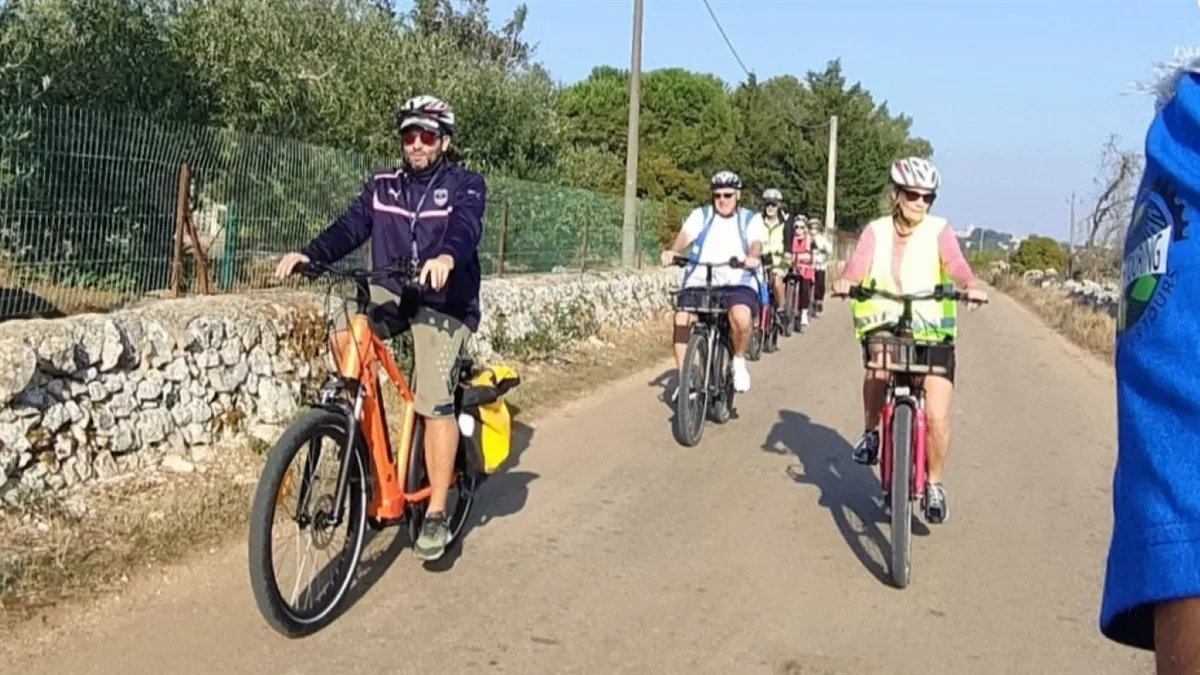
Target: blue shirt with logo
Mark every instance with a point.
(1154, 554)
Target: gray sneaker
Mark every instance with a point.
(867, 450)
(435, 531)
(937, 511)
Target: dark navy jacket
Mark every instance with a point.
(449, 221)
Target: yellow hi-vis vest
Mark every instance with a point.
(774, 243)
(921, 270)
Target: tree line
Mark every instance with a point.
(330, 73)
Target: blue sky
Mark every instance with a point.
(1016, 97)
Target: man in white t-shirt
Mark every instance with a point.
(722, 230)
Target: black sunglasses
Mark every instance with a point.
(912, 196)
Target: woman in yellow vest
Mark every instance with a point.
(910, 251)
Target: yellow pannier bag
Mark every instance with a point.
(482, 399)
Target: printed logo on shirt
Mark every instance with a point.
(1146, 280)
(440, 196)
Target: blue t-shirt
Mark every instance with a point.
(1155, 549)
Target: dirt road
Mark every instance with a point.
(608, 548)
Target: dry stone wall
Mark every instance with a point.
(93, 397)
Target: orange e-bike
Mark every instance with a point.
(376, 480)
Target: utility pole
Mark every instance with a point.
(629, 227)
(1071, 239)
(831, 173)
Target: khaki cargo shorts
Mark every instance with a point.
(437, 338)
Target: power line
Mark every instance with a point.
(726, 37)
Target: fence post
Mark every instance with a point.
(229, 254)
(583, 254)
(181, 204)
(637, 232)
(503, 237)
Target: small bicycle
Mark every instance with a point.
(378, 482)
(902, 461)
(706, 378)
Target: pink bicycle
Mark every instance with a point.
(902, 469)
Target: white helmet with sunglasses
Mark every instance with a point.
(916, 173)
(725, 179)
(427, 112)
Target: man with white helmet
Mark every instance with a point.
(778, 236)
(911, 251)
(720, 231)
(430, 211)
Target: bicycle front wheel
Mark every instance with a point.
(691, 396)
(901, 493)
(721, 377)
(295, 608)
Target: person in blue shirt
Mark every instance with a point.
(428, 210)
(1151, 596)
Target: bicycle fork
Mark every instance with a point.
(899, 395)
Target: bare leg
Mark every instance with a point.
(441, 445)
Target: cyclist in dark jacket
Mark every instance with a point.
(429, 211)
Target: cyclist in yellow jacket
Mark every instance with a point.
(779, 232)
(909, 251)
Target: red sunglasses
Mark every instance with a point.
(427, 137)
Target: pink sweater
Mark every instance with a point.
(956, 265)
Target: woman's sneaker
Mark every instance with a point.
(937, 510)
(867, 450)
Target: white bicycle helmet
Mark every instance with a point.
(772, 195)
(916, 173)
(725, 179)
(426, 111)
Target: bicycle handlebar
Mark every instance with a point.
(941, 292)
(312, 269)
(681, 261)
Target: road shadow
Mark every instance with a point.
(504, 493)
(849, 490)
(666, 381)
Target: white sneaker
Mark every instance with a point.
(741, 376)
(804, 317)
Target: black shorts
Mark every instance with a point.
(941, 356)
(728, 296)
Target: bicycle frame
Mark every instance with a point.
(715, 323)
(905, 388)
(359, 354)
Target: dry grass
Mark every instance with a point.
(1091, 329)
(54, 551)
(51, 553)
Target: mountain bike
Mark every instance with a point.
(379, 483)
(765, 337)
(903, 423)
(706, 378)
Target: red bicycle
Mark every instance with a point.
(902, 462)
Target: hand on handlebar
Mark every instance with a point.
(668, 257)
(288, 264)
(436, 271)
(841, 288)
(975, 298)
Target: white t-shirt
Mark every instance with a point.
(722, 243)
(821, 250)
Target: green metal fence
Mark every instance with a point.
(90, 206)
